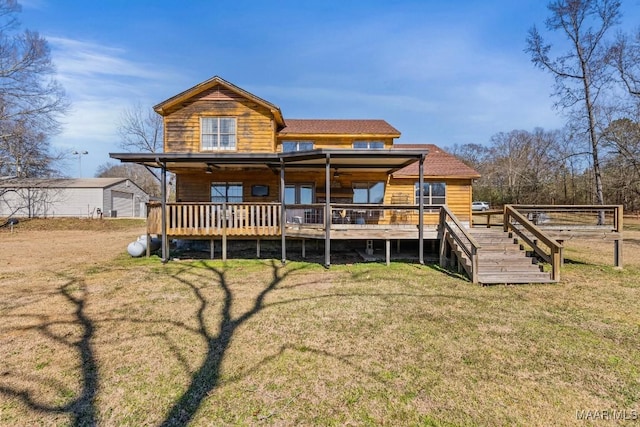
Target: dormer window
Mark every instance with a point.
(368, 145)
(218, 133)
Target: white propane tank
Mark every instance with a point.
(155, 242)
(136, 249)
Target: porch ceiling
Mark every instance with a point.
(343, 159)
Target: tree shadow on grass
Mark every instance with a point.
(207, 377)
(82, 408)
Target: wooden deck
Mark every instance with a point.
(482, 254)
(253, 220)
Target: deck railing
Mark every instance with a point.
(522, 224)
(216, 219)
(263, 219)
(452, 230)
(355, 214)
(603, 217)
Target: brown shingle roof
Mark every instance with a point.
(438, 163)
(339, 127)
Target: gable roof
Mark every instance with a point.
(168, 104)
(62, 182)
(295, 127)
(437, 163)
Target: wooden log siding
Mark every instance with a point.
(214, 219)
(254, 132)
(458, 197)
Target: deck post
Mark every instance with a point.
(163, 214)
(617, 252)
(283, 215)
(388, 251)
(304, 249)
(555, 265)
(224, 231)
(258, 247)
(212, 248)
(327, 212)
(474, 265)
(421, 210)
(617, 244)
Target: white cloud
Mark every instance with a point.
(83, 58)
(100, 81)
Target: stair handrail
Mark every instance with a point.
(554, 258)
(470, 247)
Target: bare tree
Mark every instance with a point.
(140, 131)
(580, 73)
(136, 173)
(31, 100)
(624, 55)
(523, 167)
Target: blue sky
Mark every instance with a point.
(441, 72)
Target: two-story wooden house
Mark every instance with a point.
(243, 171)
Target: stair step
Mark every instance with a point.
(510, 269)
(492, 278)
(499, 246)
(500, 259)
(500, 256)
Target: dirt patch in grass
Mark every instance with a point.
(85, 224)
(58, 244)
(91, 336)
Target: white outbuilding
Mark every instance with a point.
(61, 197)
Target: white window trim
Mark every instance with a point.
(219, 148)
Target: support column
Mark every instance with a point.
(224, 231)
(258, 248)
(304, 249)
(283, 215)
(327, 212)
(421, 210)
(388, 251)
(163, 195)
(617, 252)
(212, 248)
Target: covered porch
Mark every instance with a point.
(332, 219)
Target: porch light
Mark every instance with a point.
(209, 169)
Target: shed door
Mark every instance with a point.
(122, 203)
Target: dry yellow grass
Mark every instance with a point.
(91, 336)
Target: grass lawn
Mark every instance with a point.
(123, 341)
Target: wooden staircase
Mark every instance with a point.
(500, 259)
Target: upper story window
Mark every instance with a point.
(368, 145)
(289, 146)
(218, 133)
(434, 193)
